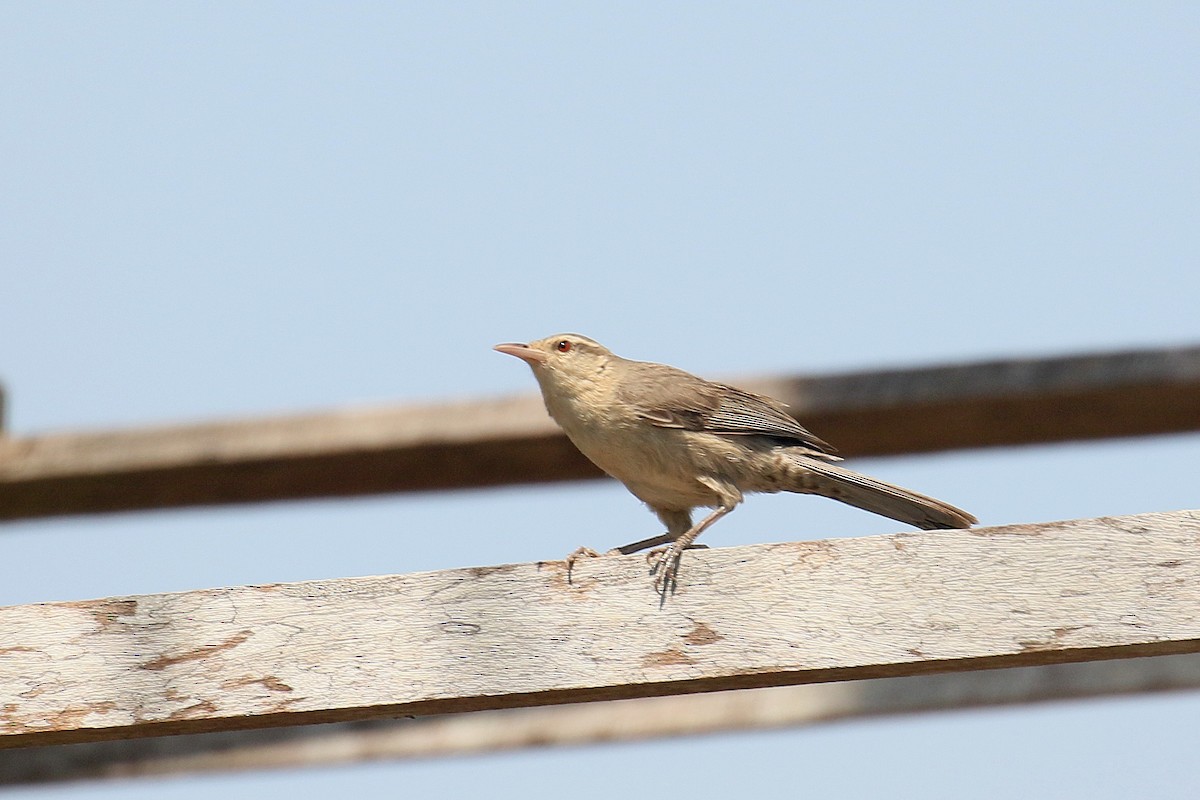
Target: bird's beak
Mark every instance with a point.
(521, 351)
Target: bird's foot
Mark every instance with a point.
(665, 562)
(581, 552)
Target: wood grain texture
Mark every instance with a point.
(589, 723)
(522, 635)
(507, 441)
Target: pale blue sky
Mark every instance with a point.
(216, 209)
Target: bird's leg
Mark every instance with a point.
(644, 544)
(668, 563)
(677, 523)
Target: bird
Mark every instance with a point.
(679, 442)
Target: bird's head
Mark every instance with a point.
(564, 360)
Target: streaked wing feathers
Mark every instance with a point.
(671, 398)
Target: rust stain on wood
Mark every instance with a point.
(201, 709)
(269, 681)
(1042, 528)
(483, 572)
(1063, 631)
(162, 662)
(73, 716)
(701, 634)
(1054, 642)
(17, 649)
(813, 554)
(667, 658)
(107, 613)
(285, 705)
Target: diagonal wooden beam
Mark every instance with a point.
(507, 441)
(525, 635)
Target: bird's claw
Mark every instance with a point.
(665, 561)
(665, 564)
(580, 552)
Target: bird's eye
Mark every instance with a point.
(563, 346)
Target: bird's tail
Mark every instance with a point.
(862, 491)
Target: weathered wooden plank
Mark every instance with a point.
(495, 442)
(525, 635)
(587, 723)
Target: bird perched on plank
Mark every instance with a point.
(679, 442)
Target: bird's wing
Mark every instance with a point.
(670, 398)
